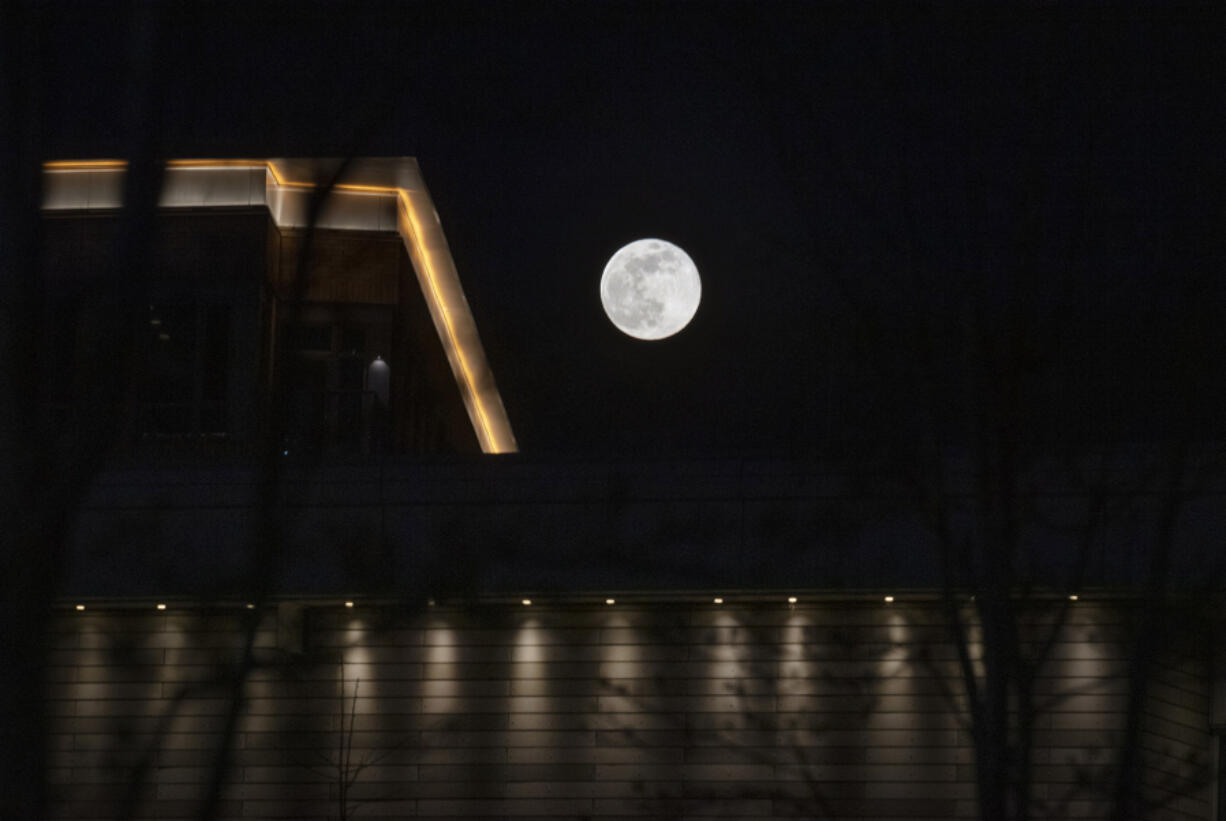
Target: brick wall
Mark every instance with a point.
(741, 710)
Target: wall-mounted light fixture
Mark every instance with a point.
(378, 379)
(80, 607)
(791, 600)
(349, 604)
(161, 606)
(610, 601)
(527, 602)
(718, 600)
(1072, 597)
(889, 599)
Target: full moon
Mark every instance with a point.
(650, 289)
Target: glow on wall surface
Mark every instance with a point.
(378, 194)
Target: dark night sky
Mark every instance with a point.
(1033, 157)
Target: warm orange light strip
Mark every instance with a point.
(83, 165)
(93, 165)
(343, 186)
(491, 443)
(284, 183)
(432, 278)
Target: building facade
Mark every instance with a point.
(831, 707)
(354, 310)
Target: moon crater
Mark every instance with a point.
(650, 289)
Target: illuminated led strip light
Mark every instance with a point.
(439, 280)
(443, 316)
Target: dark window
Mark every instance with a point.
(353, 340)
(324, 356)
(309, 337)
(188, 365)
(215, 368)
(59, 364)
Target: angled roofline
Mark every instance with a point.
(376, 194)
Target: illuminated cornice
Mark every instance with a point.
(378, 194)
